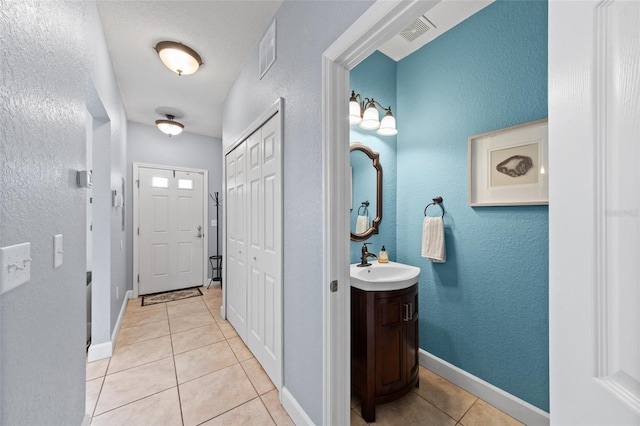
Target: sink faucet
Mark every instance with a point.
(366, 255)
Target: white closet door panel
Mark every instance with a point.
(254, 228)
(236, 290)
(265, 338)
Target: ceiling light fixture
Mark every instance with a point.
(179, 58)
(169, 126)
(364, 112)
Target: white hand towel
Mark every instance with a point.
(362, 224)
(433, 239)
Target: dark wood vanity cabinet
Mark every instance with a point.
(384, 346)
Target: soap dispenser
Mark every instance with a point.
(383, 257)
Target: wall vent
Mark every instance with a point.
(268, 50)
(415, 30)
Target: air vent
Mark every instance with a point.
(415, 30)
(268, 50)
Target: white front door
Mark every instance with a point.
(264, 164)
(594, 212)
(171, 230)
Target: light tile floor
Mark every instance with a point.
(180, 363)
(437, 402)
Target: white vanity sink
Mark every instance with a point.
(383, 276)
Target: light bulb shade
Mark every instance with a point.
(170, 127)
(387, 125)
(354, 113)
(179, 58)
(370, 119)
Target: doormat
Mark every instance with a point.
(170, 296)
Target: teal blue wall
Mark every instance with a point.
(375, 77)
(486, 309)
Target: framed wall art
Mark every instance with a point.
(509, 167)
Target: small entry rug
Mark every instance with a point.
(170, 296)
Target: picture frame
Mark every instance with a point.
(510, 167)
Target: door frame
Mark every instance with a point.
(205, 215)
(379, 23)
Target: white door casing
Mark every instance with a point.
(170, 249)
(383, 20)
(594, 214)
(236, 241)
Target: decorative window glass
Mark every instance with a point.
(185, 184)
(159, 182)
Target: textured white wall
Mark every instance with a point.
(50, 51)
(304, 30)
(148, 145)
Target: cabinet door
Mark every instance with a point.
(411, 336)
(390, 314)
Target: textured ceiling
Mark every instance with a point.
(224, 33)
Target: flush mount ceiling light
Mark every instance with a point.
(169, 126)
(364, 112)
(179, 58)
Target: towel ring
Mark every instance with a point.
(436, 202)
(365, 204)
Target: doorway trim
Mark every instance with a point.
(383, 20)
(136, 237)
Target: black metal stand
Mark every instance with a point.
(216, 260)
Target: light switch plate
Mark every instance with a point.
(214, 222)
(16, 266)
(58, 253)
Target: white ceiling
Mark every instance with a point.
(224, 33)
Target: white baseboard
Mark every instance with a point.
(295, 411)
(86, 421)
(504, 401)
(114, 336)
(99, 351)
(105, 349)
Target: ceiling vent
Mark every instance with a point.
(415, 30)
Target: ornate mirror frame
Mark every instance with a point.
(375, 158)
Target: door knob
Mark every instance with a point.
(200, 235)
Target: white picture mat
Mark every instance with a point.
(487, 146)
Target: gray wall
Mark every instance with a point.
(148, 145)
(304, 30)
(50, 51)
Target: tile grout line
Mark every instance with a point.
(175, 371)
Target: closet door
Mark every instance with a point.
(236, 253)
(264, 173)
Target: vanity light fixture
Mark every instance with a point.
(179, 58)
(365, 113)
(169, 126)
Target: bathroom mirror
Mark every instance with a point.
(366, 191)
